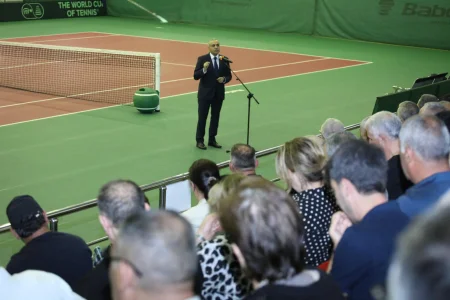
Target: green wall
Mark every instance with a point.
(424, 23)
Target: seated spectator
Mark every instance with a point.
(364, 233)
(362, 129)
(331, 126)
(426, 98)
(267, 233)
(407, 109)
(117, 200)
(59, 253)
(432, 108)
(420, 266)
(203, 174)
(424, 152)
(154, 257)
(383, 129)
(243, 159)
(337, 139)
(223, 277)
(34, 284)
(300, 164)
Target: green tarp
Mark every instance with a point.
(424, 23)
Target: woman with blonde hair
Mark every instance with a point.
(300, 163)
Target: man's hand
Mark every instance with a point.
(206, 65)
(221, 79)
(339, 224)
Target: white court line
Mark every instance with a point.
(43, 35)
(69, 39)
(226, 46)
(162, 82)
(108, 34)
(238, 84)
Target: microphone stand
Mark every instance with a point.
(250, 96)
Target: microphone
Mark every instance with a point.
(224, 58)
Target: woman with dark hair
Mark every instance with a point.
(203, 174)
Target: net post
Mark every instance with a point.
(158, 77)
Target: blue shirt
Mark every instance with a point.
(362, 257)
(424, 194)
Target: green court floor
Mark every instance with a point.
(63, 161)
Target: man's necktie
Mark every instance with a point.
(216, 65)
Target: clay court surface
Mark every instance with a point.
(251, 65)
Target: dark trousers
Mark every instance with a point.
(203, 110)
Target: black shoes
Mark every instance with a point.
(202, 146)
(214, 144)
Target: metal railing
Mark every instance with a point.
(161, 185)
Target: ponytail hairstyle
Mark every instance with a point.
(204, 174)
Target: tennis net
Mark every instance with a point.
(98, 75)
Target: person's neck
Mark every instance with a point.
(369, 202)
(392, 149)
(38, 233)
(425, 170)
(300, 187)
(247, 172)
(177, 293)
(199, 196)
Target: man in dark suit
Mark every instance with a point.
(213, 74)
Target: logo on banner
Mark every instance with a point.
(385, 6)
(32, 11)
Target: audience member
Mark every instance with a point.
(203, 174)
(426, 98)
(267, 233)
(383, 129)
(424, 153)
(364, 233)
(117, 200)
(420, 266)
(154, 257)
(331, 126)
(432, 108)
(223, 276)
(407, 109)
(300, 164)
(243, 159)
(335, 140)
(36, 285)
(59, 253)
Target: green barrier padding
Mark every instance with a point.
(424, 23)
(391, 102)
(277, 16)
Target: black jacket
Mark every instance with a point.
(209, 88)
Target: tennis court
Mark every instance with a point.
(61, 150)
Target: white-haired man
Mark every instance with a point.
(383, 129)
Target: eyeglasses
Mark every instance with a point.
(135, 269)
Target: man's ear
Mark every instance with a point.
(347, 188)
(14, 233)
(256, 163)
(122, 277)
(239, 255)
(45, 217)
(147, 206)
(107, 226)
(231, 167)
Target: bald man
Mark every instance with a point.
(213, 74)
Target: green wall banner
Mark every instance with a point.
(423, 23)
(277, 16)
(36, 10)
